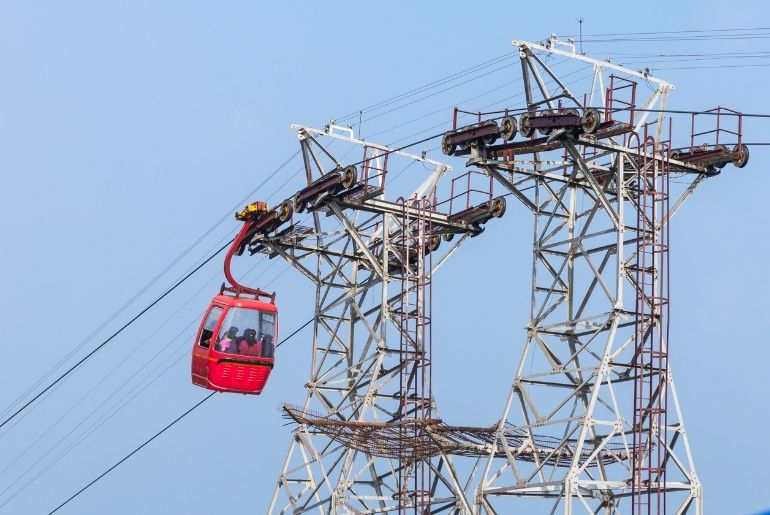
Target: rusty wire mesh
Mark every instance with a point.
(421, 439)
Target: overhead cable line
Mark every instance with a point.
(111, 373)
(116, 407)
(113, 467)
(176, 260)
(386, 102)
(424, 88)
(116, 333)
(309, 321)
(428, 86)
(153, 437)
(650, 33)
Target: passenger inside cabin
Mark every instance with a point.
(249, 345)
(228, 342)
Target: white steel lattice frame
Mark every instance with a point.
(592, 423)
(370, 336)
(580, 362)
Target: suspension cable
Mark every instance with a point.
(116, 333)
(153, 437)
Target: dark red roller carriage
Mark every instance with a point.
(234, 349)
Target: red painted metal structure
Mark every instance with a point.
(415, 474)
(234, 348)
(651, 369)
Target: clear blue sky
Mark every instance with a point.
(127, 129)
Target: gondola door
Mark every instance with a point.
(207, 334)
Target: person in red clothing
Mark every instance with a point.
(249, 344)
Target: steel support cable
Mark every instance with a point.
(673, 58)
(428, 86)
(127, 398)
(378, 115)
(63, 360)
(763, 34)
(470, 99)
(52, 390)
(150, 378)
(720, 55)
(648, 33)
(716, 67)
(113, 467)
(113, 371)
(154, 280)
(116, 333)
(406, 146)
(302, 327)
(125, 382)
(40, 397)
(47, 391)
(153, 437)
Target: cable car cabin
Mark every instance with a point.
(235, 345)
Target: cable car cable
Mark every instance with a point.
(415, 143)
(670, 32)
(430, 85)
(406, 146)
(388, 101)
(127, 456)
(120, 404)
(299, 329)
(116, 333)
(112, 373)
(153, 437)
(176, 260)
(146, 287)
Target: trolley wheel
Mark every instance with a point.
(525, 125)
(497, 207)
(675, 155)
(740, 155)
(545, 131)
(285, 210)
(299, 207)
(447, 147)
(589, 122)
(349, 176)
(508, 128)
(448, 236)
(434, 243)
(489, 140)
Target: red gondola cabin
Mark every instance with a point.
(235, 345)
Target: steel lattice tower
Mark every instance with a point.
(361, 444)
(592, 423)
(593, 391)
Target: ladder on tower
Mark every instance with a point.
(650, 366)
(415, 403)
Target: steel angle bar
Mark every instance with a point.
(384, 148)
(354, 235)
(551, 49)
(595, 185)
